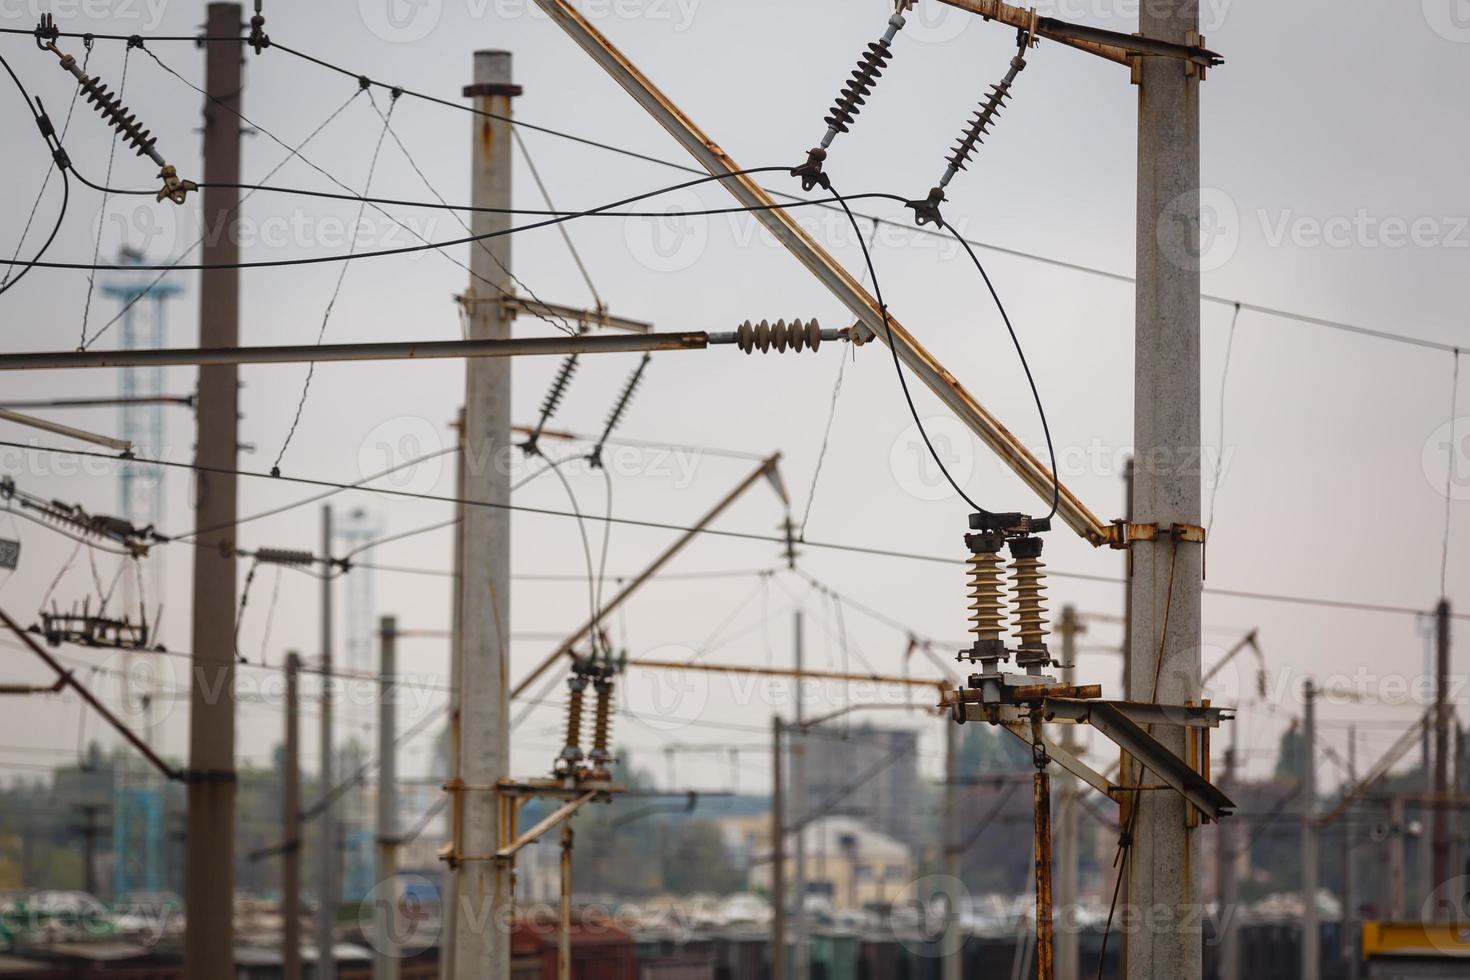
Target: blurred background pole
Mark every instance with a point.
(1311, 940)
(800, 818)
(778, 856)
(291, 820)
(326, 896)
(385, 906)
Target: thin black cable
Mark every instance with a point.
(566, 236)
(102, 212)
(673, 165)
(892, 349)
(683, 528)
(1220, 441)
(292, 153)
(59, 157)
(321, 170)
(1056, 481)
(336, 289)
(606, 210)
(559, 322)
(1444, 559)
(811, 496)
(46, 178)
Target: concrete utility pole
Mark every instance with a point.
(449, 881)
(778, 856)
(1311, 937)
(1164, 646)
(482, 935)
(802, 817)
(385, 911)
(291, 823)
(953, 965)
(89, 830)
(1349, 933)
(1228, 854)
(1397, 832)
(1065, 857)
(1443, 869)
(327, 893)
(209, 848)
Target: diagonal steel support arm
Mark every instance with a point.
(768, 469)
(827, 269)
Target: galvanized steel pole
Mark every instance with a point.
(209, 846)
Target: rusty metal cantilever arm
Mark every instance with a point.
(1112, 45)
(827, 269)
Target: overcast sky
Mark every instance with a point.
(1333, 167)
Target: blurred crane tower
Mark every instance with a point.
(357, 717)
(137, 802)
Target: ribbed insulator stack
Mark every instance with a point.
(987, 597)
(1028, 593)
(601, 754)
(795, 336)
(117, 115)
(979, 125)
(571, 753)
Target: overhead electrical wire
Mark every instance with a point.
(897, 365)
(102, 211)
(292, 153)
(341, 275)
(682, 528)
(558, 321)
(46, 178)
(1279, 312)
(607, 210)
(58, 156)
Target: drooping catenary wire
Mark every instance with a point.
(606, 210)
(1220, 441)
(341, 275)
(1449, 474)
(713, 532)
(292, 153)
(58, 156)
(1056, 480)
(897, 365)
(566, 236)
(556, 321)
(811, 496)
(46, 178)
(102, 211)
(1303, 318)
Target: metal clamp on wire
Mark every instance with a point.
(258, 39)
